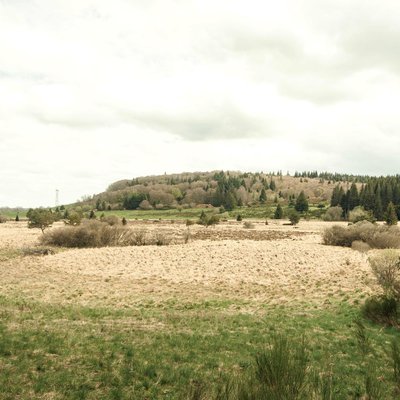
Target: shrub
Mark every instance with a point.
(40, 218)
(358, 214)
(376, 236)
(124, 221)
(386, 268)
(248, 225)
(208, 220)
(294, 217)
(92, 233)
(3, 219)
(239, 218)
(190, 222)
(381, 309)
(111, 220)
(333, 214)
(73, 218)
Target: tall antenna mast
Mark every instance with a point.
(57, 193)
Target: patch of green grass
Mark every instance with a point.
(156, 350)
(256, 212)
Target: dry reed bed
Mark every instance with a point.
(267, 272)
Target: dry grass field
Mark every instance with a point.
(269, 264)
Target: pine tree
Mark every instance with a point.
(378, 209)
(391, 215)
(263, 196)
(301, 202)
(353, 199)
(278, 212)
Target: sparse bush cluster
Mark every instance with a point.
(384, 307)
(92, 233)
(375, 236)
(333, 214)
(208, 220)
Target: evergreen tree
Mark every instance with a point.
(272, 185)
(391, 215)
(353, 199)
(294, 217)
(278, 212)
(301, 202)
(230, 201)
(336, 197)
(378, 209)
(17, 218)
(263, 196)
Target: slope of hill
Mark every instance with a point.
(217, 188)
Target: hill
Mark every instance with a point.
(217, 188)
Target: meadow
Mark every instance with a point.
(163, 322)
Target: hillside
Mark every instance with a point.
(216, 188)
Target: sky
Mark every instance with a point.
(96, 91)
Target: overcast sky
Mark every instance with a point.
(93, 91)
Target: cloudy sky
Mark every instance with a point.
(93, 91)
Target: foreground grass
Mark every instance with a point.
(157, 351)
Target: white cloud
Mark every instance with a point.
(94, 91)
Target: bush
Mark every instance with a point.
(208, 220)
(73, 218)
(358, 214)
(92, 233)
(248, 225)
(376, 236)
(239, 218)
(360, 246)
(294, 217)
(3, 219)
(40, 218)
(333, 214)
(386, 268)
(381, 309)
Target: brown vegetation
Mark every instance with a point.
(375, 236)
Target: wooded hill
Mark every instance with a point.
(232, 189)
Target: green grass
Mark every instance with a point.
(257, 212)
(156, 350)
(11, 214)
